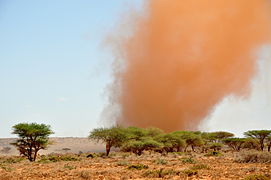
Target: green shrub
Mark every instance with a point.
(213, 153)
(190, 172)
(199, 167)
(253, 157)
(189, 160)
(160, 173)
(57, 158)
(67, 166)
(257, 177)
(11, 160)
(161, 161)
(138, 167)
(6, 168)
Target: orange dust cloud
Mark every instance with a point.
(184, 56)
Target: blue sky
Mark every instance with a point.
(53, 66)
(54, 69)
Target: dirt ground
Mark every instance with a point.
(128, 166)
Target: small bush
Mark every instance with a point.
(257, 177)
(6, 168)
(161, 161)
(190, 172)
(199, 167)
(67, 166)
(161, 173)
(138, 167)
(11, 160)
(57, 158)
(253, 157)
(189, 160)
(213, 153)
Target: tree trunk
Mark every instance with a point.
(35, 154)
(262, 145)
(108, 147)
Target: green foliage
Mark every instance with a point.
(138, 167)
(189, 160)
(190, 172)
(171, 142)
(251, 143)
(213, 153)
(199, 167)
(257, 177)
(160, 173)
(32, 138)
(161, 161)
(192, 139)
(261, 135)
(152, 132)
(215, 146)
(219, 135)
(235, 143)
(57, 158)
(11, 160)
(69, 167)
(138, 146)
(113, 137)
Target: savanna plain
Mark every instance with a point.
(65, 160)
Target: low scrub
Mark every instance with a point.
(257, 177)
(161, 161)
(213, 153)
(190, 172)
(253, 157)
(11, 160)
(160, 173)
(138, 167)
(57, 158)
(189, 160)
(199, 167)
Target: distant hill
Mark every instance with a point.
(59, 145)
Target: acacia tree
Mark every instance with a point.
(32, 138)
(138, 146)
(261, 135)
(113, 137)
(171, 142)
(235, 143)
(191, 138)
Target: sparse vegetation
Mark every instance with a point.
(257, 177)
(138, 167)
(190, 172)
(189, 160)
(58, 157)
(160, 173)
(261, 135)
(253, 157)
(199, 167)
(152, 153)
(213, 153)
